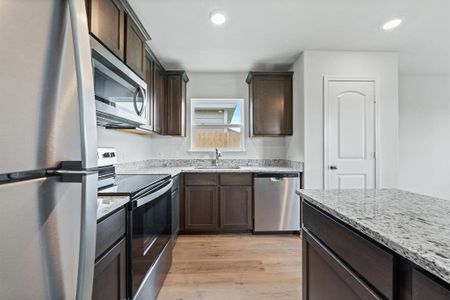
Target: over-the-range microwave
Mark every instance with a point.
(120, 94)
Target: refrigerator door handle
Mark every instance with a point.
(85, 88)
(88, 237)
(85, 82)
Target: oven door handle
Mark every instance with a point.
(153, 196)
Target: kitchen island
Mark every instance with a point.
(375, 244)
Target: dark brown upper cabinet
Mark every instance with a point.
(107, 23)
(134, 47)
(176, 82)
(149, 65)
(158, 99)
(270, 95)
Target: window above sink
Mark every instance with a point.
(217, 123)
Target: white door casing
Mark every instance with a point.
(349, 134)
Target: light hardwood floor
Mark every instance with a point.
(235, 266)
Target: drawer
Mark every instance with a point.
(109, 231)
(236, 179)
(425, 287)
(201, 179)
(325, 276)
(369, 260)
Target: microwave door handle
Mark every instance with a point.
(153, 196)
(85, 83)
(139, 111)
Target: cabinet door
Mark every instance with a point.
(201, 209)
(158, 99)
(176, 105)
(326, 277)
(235, 208)
(271, 105)
(110, 274)
(424, 287)
(106, 23)
(134, 48)
(149, 64)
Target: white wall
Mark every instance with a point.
(425, 134)
(381, 66)
(295, 146)
(130, 147)
(201, 85)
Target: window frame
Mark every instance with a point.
(194, 101)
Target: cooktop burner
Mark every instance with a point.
(132, 184)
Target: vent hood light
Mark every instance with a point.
(218, 18)
(392, 24)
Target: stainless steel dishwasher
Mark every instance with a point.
(277, 207)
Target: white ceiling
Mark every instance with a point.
(270, 34)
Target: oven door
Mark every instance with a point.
(151, 227)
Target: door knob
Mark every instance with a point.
(332, 167)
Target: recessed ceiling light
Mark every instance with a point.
(218, 18)
(392, 24)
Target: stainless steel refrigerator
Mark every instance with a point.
(47, 151)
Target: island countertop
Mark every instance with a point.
(414, 226)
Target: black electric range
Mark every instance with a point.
(149, 229)
(134, 185)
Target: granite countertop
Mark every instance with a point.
(108, 204)
(177, 170)
(416, 227)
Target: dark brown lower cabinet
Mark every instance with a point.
(110, 274)
(235, 208)
(340, 262)
(424, 287)
(200, 208)
(215, 203)
(365, 258)
(327, 277)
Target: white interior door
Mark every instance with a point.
(350, 134)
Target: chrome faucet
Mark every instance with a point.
(218, 155)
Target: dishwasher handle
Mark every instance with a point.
(277, 175)
(276, 179)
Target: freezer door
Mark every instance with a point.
(47, 231)
(43, 121)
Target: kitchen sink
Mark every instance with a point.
(218, 167)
